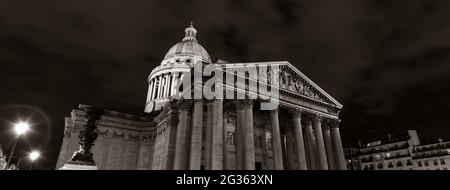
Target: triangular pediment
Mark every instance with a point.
(292, 80)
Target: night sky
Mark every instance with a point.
(387, 62)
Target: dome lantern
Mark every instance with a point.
(190, 33)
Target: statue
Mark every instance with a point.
(87, 137)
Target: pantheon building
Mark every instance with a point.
(300, 133)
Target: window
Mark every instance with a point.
(419, 163)
(399, 164)
(426, 162)
(442, 161)
(230, 138)
(435, 162)
(377, 156)
(409, 163)
(388, 155)
(380, 166)
(444, 168)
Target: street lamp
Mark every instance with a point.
(20, 129)
(33, 156)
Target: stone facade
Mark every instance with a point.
(301, 133)
(399, 152)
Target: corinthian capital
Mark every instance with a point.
(317, 117)
(243, 104)
(275, 111)
(335, 123)
(296, 112)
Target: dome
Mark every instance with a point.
(188, 47)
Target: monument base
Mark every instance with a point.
(78, 166)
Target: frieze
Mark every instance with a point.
(293, 82)
(133, 137)
(115, 134)
(102, 133)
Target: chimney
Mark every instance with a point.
(414, 140)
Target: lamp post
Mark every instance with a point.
(20, 129)
(33, 156)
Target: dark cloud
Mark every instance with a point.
(385, 61)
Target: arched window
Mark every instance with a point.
(399, 163)
(380, 166)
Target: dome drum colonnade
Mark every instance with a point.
(180, 59)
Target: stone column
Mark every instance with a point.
(169, 85)
(249, 141)
(329, 147)
(291, 165)
(276, 141)
(154, 87)
(174, 83)
(196, 136)
(244, 114)
(160, 86)
(311, 144)
(320, 143)
(182, 137)
(163, 92)
(208, 134)
(150, 90)
(225, 165)
(284, 149)
(239, 132)
(166, 86)
(265, 149)
(337, 145)
(217, 136)
(300, 145)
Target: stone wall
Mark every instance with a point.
(121, 142)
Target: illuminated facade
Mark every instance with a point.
(399, 152)
(302, 132)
